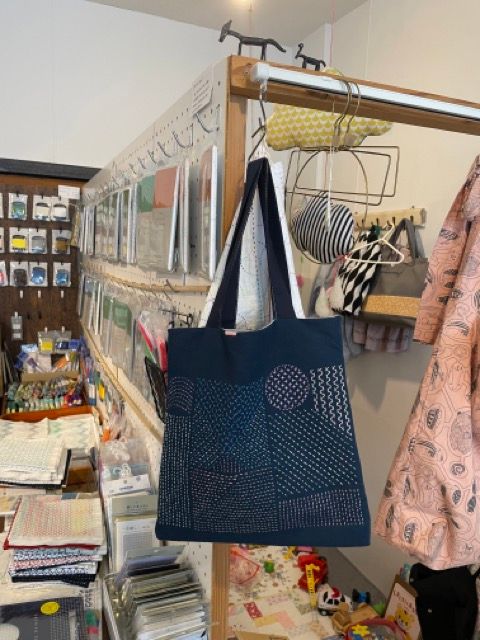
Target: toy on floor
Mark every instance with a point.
(377, 629)
(380, 608)
(296, 550)
(269, 566)
(361, 597)
(329, 600)
(405, 572)
(320, 569)
(243, 570)
(344, 618)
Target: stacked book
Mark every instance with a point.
(79, 432)
(37, 461)
(46, 619)
(56, 538)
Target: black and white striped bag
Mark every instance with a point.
(311, 233)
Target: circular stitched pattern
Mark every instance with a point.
(287, 387)
(9, 632)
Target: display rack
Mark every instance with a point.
(40, 307)
(223, 120)
(174, 135)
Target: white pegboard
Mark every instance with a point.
(143, 157)
(199, 554)
(184, 301)
(160, 145)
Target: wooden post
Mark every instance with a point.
(220, 590)
(234, 174)
(234, 166)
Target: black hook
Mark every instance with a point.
(261, 129)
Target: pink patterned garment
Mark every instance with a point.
(429, 508)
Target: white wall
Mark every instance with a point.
(433, 46)
(81, 80)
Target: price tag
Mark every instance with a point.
(68, 192)
(202, 91)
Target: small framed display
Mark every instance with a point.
(401, 609)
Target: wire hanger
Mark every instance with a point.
(262, 129)
(382, 241)
(335, 144)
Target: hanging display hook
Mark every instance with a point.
(206, 128)
(152, 156)
(262, 129)
(133, 170)
(180, 143)
(163, 150)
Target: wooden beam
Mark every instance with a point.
(241, 85)
(220, 590)
(234, 166)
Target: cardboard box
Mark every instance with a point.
(249, 635)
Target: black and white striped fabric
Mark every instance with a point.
(311, 233)
(357, 277)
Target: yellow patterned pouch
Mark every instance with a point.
(289, 127)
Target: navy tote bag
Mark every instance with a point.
(259, 443)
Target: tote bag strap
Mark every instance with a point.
(224, 309)
(406, 225)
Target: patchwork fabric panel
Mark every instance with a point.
(336, 508)
(287, 387)
(230, 428)
(330, 396)
(174, 499)
(180, 394)
(242, 502)
(274, 455)
(309, 454)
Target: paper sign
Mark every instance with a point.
(126, 485)
(202, 91)
(69, 193)
(133, 505)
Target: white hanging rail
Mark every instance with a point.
(318, 90)
(263, 72)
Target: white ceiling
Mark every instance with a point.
(286, 20)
